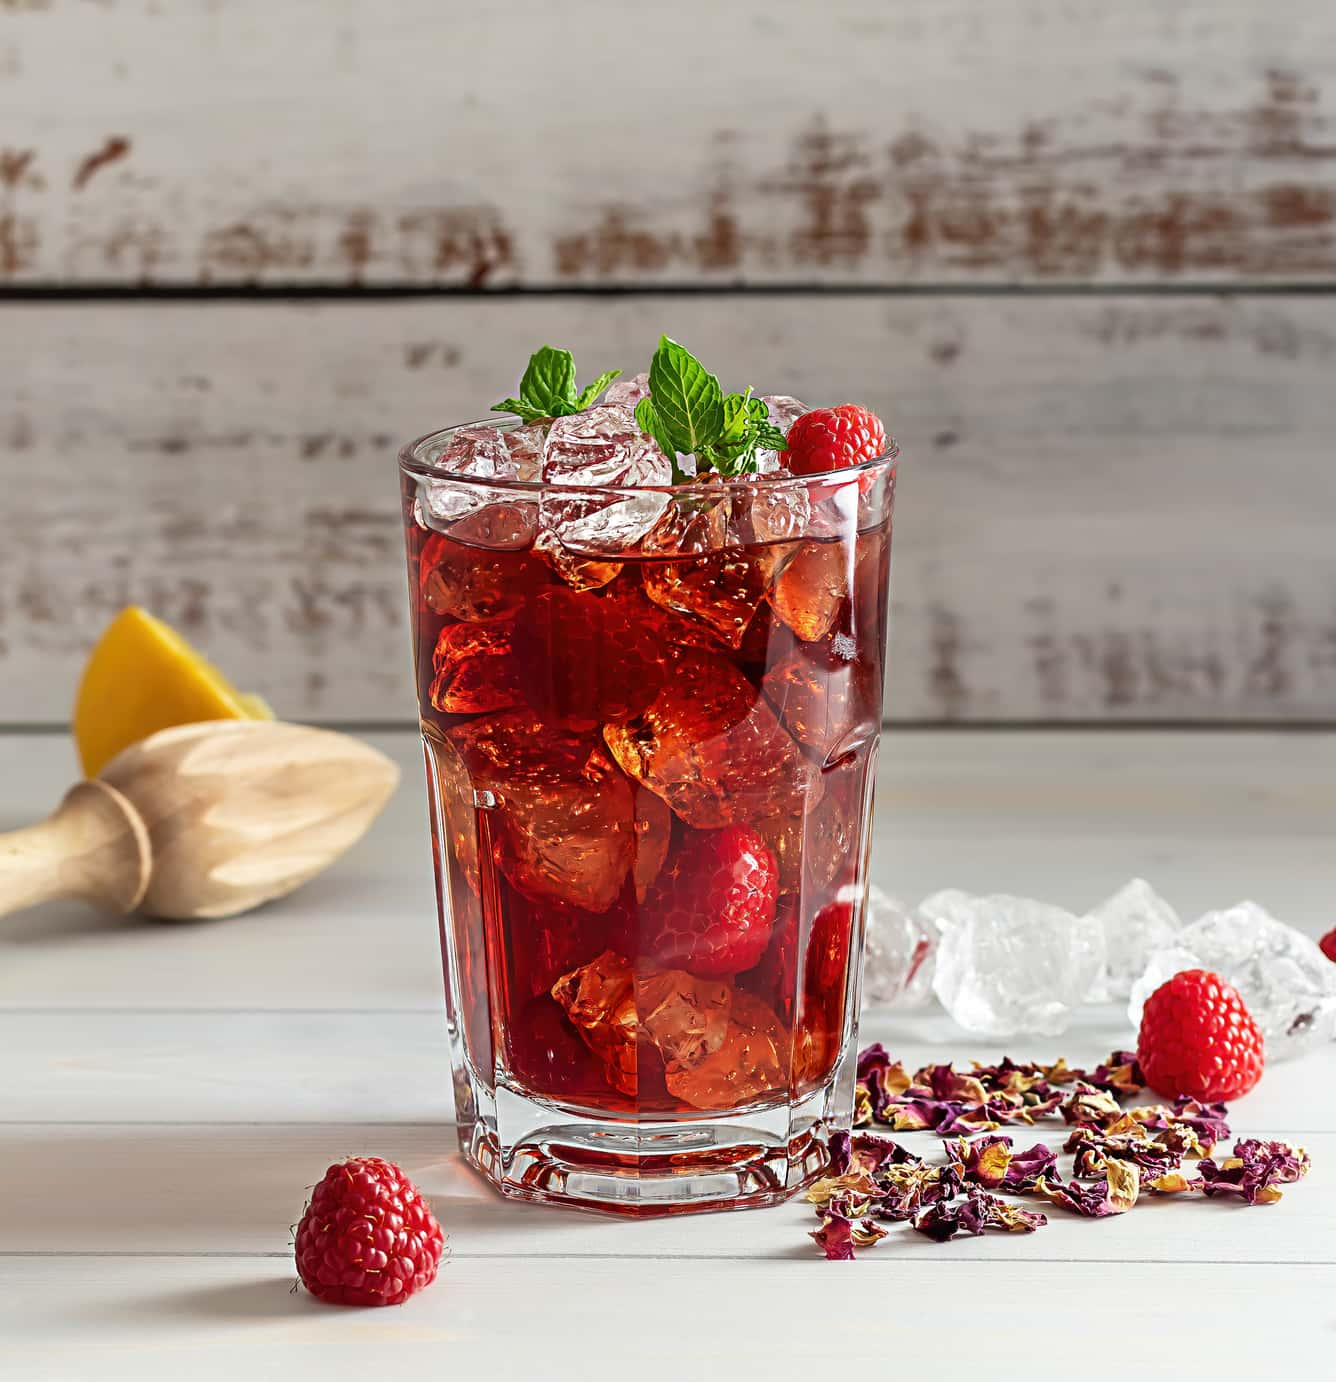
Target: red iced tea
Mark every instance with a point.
(650, 775)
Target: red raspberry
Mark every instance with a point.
(1197, 1039)
(833, 438)
(1328, 944)
(367, 1237)
(713, 906)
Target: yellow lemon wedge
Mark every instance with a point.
(142, 676)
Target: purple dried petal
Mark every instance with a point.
(1086, 1104)
(1255, 1171)
(1114, 1194)
(1027, 1167)
(1119, 1075)
(984, 1161)
(839, 1235)
(1094, 1150)
(942, 1082)
(973, 1214)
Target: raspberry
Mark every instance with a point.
(367, 1237)
(833, 438)
(1197, 1039)
(1328, 944)
(712, 909)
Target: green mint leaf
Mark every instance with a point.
(592, 391)
(769, 437)
(520, 408)
(736, 418)
(549, 380)
(649, 422)
(687, 398)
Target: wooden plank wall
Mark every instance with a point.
(1081, 256)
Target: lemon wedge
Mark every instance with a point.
(142, 676)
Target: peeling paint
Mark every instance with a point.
(114, 148)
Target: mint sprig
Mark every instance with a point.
(687, 411)
(548, 387)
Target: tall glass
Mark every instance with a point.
(650, 770)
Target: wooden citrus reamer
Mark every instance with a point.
(204, 820)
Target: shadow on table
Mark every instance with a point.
(233, 1302)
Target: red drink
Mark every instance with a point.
(650, 771)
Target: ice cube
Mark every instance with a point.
(899, 953)
(628, 392)
(526, 445)
(812, 588)
(722, 591)
(594, 450)
(581, 573)
(1009, 965)
(1137, 921)
(751, 1061)
(474, 583)
(1286, 982)
(785, 410)
(616, 1008)
(824, 705)
(818, 843)
(564, 817)
(776, 508)
(474, 669)
(712, 748)
(472, 453)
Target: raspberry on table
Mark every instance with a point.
(833, 438)
(367, 1236)
(1198, 1039)
(713, 907)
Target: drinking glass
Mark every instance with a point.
(650, 720)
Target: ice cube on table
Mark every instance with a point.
(1008, 966)
(899, 953)
(600, 448)
(1137, 921)
(628, 392)
(1286, 982)
(472, 453)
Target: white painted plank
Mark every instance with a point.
(376, 1069)
(1209, 817)
(346, 141)
(237, 1188)
(67, 1320)
(1108, 509)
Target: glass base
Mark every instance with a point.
(529, 1149)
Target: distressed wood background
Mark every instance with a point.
(1081, 256)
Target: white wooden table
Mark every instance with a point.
(167, 1093)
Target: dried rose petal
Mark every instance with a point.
(839, 1235)
(984, 1161)
(1114, 1194)
(975, 1213)
(1255, 1171)
(1094, 1150)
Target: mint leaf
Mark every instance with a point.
(549, 379)
(649, 422)
(518, 406)
(769, 437)
(592, 391)
(687, 398)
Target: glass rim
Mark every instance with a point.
(412, 461)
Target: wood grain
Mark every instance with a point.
(346, 142)
(1110, 509)
(146, 1320)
